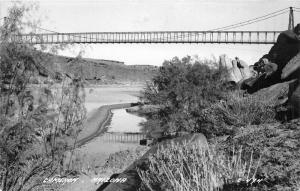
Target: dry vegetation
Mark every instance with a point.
(191, 98)
(115, 163)
(186, 168)
(35, 132)
(260, 152)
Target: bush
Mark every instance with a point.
(194, 97)
(235, 111)
(280, 148)
(183, 89)
(33, 136)
(187, 168)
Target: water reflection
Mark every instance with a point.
(108, 95)
(125, 122)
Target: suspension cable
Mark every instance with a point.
(240, 24)
(250, 20)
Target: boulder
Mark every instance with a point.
(275, 93)
(285, 97)
(245, 69)
(280, 65)
(294, 100)
(292, 68)
(225, 61)
(238, 69)
(133, 180)
(280, 87)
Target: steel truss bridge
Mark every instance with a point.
(235, 37)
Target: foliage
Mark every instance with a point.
(235, 111)
(196, 98)
(186, 167)
(249, 119)
(34, 130)
(183, 89)
(280, 148)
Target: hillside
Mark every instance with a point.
(95, 71)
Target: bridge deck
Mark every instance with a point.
(236, 37)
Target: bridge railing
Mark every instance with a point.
(123, 137)
(240, 37)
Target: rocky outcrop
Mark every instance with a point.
(284, 97)
(292, 68)
(281, 64)
(238, 69)
(277, 93)
(294, 101)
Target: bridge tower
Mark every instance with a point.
(291, 19)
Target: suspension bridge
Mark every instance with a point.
(241, 37)
(218, 35)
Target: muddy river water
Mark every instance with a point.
(107, 95)
(121, 120)
(125, 122)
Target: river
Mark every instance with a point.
(121, 120)
(110, 94)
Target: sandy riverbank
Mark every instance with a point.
(94, 154)
(101, 159)
(96, 123)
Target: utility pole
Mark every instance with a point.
(291, 19)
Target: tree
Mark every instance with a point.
(35, 129)
(183, 89)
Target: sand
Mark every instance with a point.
(100, 100)
(96, 123)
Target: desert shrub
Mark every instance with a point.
(183, 89)
(33, 135)
(82, 163)
(280, 148)
(185, 167)
(195, 98)
(235, 111)
(119, 161)
(243, 109)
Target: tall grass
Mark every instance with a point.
(188, 168)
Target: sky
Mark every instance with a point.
(158, 15)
